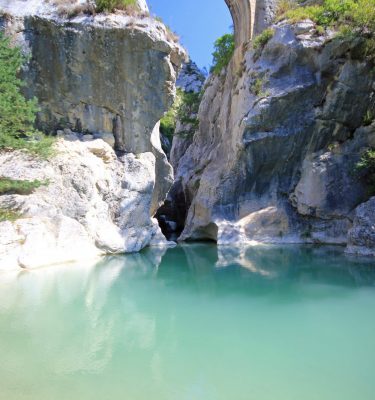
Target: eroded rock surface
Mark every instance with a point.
(92, 203)
(105, 74)
(362, 235)
(274, 157)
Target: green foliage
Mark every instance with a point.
(300, 13)
(17, 115)
(11, 186)
(189, 107)
(354, 14)
(257, 86)
(284, 6)
(224, 49)
(8, 215)
(257, 83)
(111, 5)
(263, 38)
(351, 18)
(185, 110)
(366, 169)
(369, 117)
(168, 122)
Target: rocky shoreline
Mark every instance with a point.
(280, 131)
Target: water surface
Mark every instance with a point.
(197, 323)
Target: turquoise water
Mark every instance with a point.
(263, 323)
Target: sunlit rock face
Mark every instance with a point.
(108, 74)
(278, 141)
(92, 203)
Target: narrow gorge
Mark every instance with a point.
(272, 159)
(190, 215)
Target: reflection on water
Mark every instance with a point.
(194, 322)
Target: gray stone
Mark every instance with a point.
(277, 165)
(362, 235)
(109, 139)
(93, 204)
(68, 132)
(87, 138)
(114, 74)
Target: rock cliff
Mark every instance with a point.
(92, 203)
(280, 133)
(105, 74)
(109, 76)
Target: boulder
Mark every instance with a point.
(91, 203)
(361, 238)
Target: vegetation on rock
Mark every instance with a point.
(17, 115)
(223, 52)
(111, 5)
(352, 18)
(184, 109)
(8, 215)
(261, 40)
(14, 186)
(169, 120)
(366, 169)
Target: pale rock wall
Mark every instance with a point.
(104, 74)
(108, 74)
(277, 165)
(93, 203)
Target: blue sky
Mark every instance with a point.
(198, 23)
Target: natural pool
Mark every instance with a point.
(197, 323)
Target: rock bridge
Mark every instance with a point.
(250, 17)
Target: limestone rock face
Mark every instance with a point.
(109, 73)
(171, 215)
(362, 235)
(274, 157)
(92, 203)
(190, 80)
(105, 75)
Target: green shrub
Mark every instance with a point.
(17, 115)
(168, 122)
(111, 5)
(223, 52)
(189, 108)
(263, 38)
(9, 215)
(366, 169)
(354, 14)
(300, 13)
(185, 110)
(284, 6)
(351, 18)
(13, 186)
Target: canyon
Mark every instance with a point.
(272, 161)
